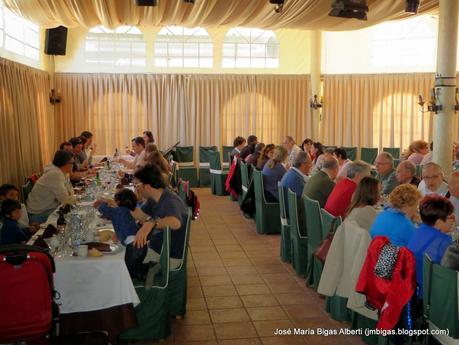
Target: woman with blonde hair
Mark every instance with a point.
(157, 158)
(397, 220)
(272, 173)
(416, 151)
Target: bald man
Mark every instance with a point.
(453, 187)
(432, 180)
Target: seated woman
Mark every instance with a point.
(416, 151)
(11, 232)
(364, 201)
(431, 238)
(148, 137)
(158, 159)
(253, 157)
(308, 146)
(266, 154)
(397, 220)
(273, 172)
(238, 145)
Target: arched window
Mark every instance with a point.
(123, 46)
(18, 35)
(250, 48)
(176, 46)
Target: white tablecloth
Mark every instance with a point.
(88, 284)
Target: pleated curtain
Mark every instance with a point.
(25, 120)
(193, 109)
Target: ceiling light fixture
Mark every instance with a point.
(349, 9)
(412, 6)
(279, 5)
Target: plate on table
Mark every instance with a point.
(86, 203)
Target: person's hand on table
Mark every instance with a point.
(97, 203)
(141, 238)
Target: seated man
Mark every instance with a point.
(340, 198)
(162, 209)
(432, 180)
(384, 164)
(298, 175)
(406, 173)
(432, 238)
(292, 149)
(138, 146)
(321, 184)
(52, 189)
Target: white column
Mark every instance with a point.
(445, 84)
(316, 89)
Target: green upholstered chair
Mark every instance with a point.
(25, 190)
(394, 151)
(186, 170)
(244, 178)
(419, 170)
(152, 312)
(286, 243)
(368, 154)
(440, 297)
(298, 235)
(226, 150)
(315, 236)
(204, 159)
(396, 162)
(217, 174)
(267, 215)
(351, 152)
(177, 290)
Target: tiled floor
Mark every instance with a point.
(239, 290)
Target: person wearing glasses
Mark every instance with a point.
(52, 189)
(432, 180)
(384, 164)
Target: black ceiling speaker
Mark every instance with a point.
(349, 9)
(56, 41)
(146, 2)
(412, 6)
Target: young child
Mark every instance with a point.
(10, 230)
(119, 212)
(9, 191)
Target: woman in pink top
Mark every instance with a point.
(416, 152)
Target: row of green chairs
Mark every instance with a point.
(167, 296)
(368, 154)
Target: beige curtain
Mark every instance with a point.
(378, 110)
(300, 14)
(193, 109)
(25, 139)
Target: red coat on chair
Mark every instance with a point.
(387, 296)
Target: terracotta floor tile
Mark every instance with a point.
(215, 280)
(241, 270)
(208, 263)
(235, 330)
(223, 302)
(229, 315)
(229, 248)
(267, 313)
(290, 286)
(210, 271)
(233, 255)
(196, 304)
(277, 277)
(297, 298)
(303, 311)
(203, 249)
(250, 341)
(268, 328)
(195, 333)
(194, 281)
(236, 262)
(283, 340)
(196, 317)
(219, 291)
(194, 292)
(269, 269)
(213, 342)
(245, 279)
(253, 289)
(259, 301)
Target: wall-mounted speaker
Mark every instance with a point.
(56, 41)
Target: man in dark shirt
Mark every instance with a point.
(162, 209)
(252, 141)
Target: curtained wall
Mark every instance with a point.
(193, 109)
(377, 110)
(25, 140)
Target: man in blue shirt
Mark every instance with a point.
(431, 238)
(298, 174)
(162, 209)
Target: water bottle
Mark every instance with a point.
(61, 222)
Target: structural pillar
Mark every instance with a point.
(316, 85)
(445, 84)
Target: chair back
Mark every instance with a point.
(227, 153)
(204, 156)
(258, 187)
(186, 240)
(282, 202)
(25, 190)
(396, 162)
(313, 221)
(329, 222)
(214, 161)
(419, 171)
(394, 151)
(184, 154)
(164, 261)
(296, 216)
(440, 296)
(351, 152)
(244, 177)
(368, 154)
